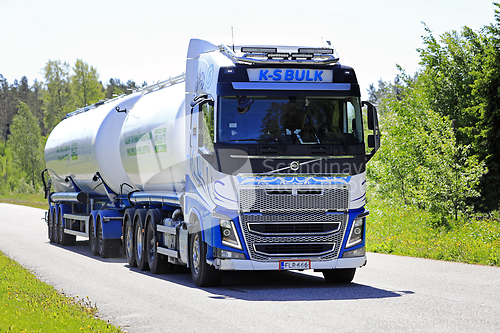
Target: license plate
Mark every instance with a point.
(295, 264)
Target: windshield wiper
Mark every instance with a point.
(279, 140)
(282, 143)
(343, 140)
(232, 140)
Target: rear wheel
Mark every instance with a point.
(140, 248)
(128, 241)
(204, 275)
(92, 238)
(64, 238)
(51, 225)
(157, 263)
(55, 231)
(343, 275)
(140, 240)
(108, 248)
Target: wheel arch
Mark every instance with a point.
(196, 223)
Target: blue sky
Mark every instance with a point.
(147, 40)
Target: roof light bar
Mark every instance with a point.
(316, 51)
(259, 49)
(259, 55)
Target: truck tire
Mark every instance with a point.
(55, 217)
(63, 238)
(92, 238)
(157, 262)
(203, 274)
(343, 275)
(108, 248)
(128, 239)
(51, 225)
(140, 240)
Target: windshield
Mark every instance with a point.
(293, 119)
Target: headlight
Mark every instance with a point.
(357, 232)
(229, 234)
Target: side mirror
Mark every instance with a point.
(373, 139)
(372, 115)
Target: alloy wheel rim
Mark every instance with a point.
(196, 254)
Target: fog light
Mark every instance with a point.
(355, 253)
(224, 254)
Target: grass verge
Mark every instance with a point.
(32, 200)
(29, 305)
(403, 230)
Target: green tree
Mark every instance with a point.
(450, 68)
(12, 179)
(56, 98)
(24, 90)
(85, 84)
(25, 142)
(35, 102)
(116, 88)
(420, 160)
(459, 79)
(485, 90)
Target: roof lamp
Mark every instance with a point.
(302, 55)
(259, 50)
(320, 51)
(278, 55)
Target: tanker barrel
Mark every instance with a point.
(69, 197)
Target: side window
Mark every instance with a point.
(355, 120)
(351, 118)
(206, 139)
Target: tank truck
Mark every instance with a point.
(254, 158)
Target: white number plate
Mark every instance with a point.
(295, 264)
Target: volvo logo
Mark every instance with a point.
(294, 165)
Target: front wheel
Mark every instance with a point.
(343, 275)
(204, 275)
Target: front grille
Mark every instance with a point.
(282, 222)
(272, 199)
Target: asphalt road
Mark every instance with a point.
(391, 293)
